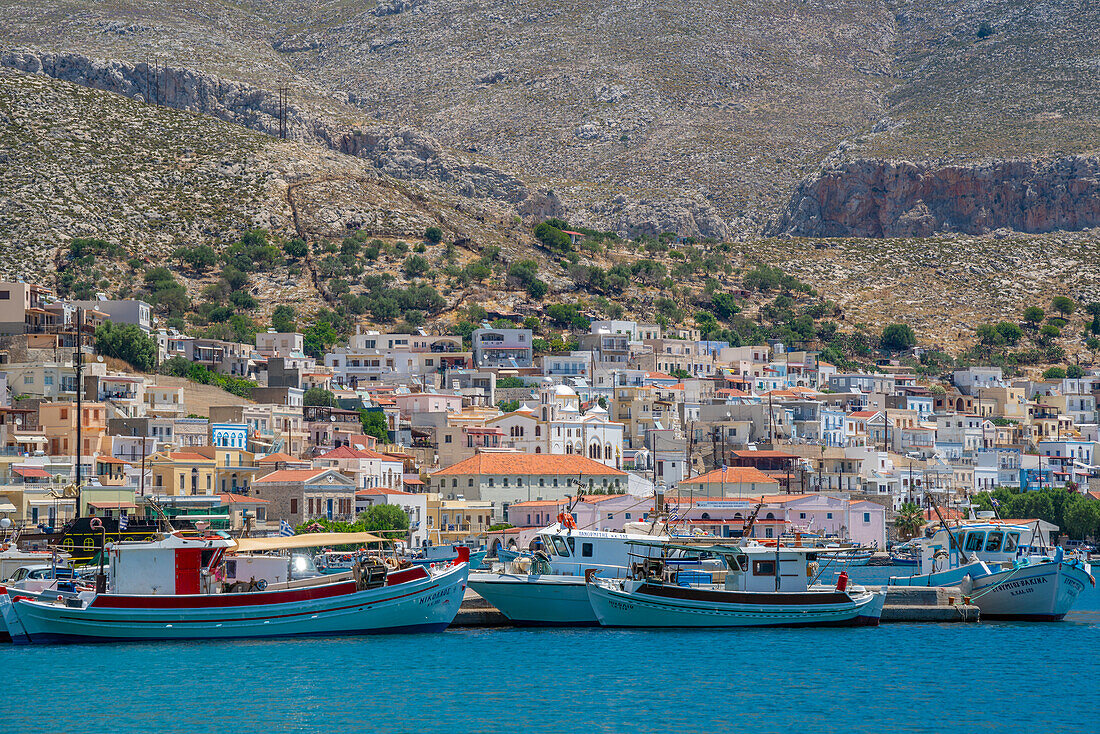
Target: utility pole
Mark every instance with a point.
(771, 421)
(282, 107)
(79, 365)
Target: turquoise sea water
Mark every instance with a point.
(1003, 677)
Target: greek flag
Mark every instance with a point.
(674, 515)
(995, 502)
(123, 523)
(285, 531)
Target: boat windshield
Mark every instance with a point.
(993, 544)
(559, 546)
(975, 540)
(1012, 541)
(739, 562)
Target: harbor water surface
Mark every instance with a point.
(993, 676)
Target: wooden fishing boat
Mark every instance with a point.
(763, 587)
(172, 588)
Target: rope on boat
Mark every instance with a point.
(998, 584)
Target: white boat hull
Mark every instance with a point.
(1039, 591)
(618, 607)
(1043, 592)
(424, 604)
(547, 600)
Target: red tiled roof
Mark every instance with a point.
(526, 464)
(230, 498)
(274, 458)
(732, 475)
(537, 503)
(863, 414)
(346, 452)
(290, 475)
(594, 499)
(31, 471)
(380, 490)
(187, 456)
(112, 460)
(659, 376)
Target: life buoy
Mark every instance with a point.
(570, 522)
(96, 524)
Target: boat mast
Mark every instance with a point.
(943, 523)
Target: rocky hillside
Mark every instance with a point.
(641, 116)
(83, 163)
(994, 121)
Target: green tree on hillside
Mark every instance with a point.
(128, 343)
(1063, 305)
(282, 319)
(319, 396)
(1034, 315)
(898, 338)
(374, 424)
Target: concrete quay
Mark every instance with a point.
(926, 604)
(903, 604)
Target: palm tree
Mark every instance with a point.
(909, 521)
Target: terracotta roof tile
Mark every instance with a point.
(273, 458)
(290, 475)
(346, 452)
(732, 475)
(230, 498)
(526, 464)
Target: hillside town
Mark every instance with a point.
(480, 441)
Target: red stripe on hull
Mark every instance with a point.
(366, 603)
(198, 601)
(408, 574)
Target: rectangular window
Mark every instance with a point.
(293, 506)
(586, 550)
(447, 438)
(763, 568)
(829, 515)
(867, 517)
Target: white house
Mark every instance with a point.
(370, 469)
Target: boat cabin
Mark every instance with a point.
(174, 564)
(755, 568)
(995, 543)
(572, 552)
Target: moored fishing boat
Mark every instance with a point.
(984, 559)
(763, 587)
(548, 588)
(172, 588)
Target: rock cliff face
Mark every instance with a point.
(880, 198)
(400, 153)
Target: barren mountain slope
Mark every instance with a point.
(79, 162)
(650, 115)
